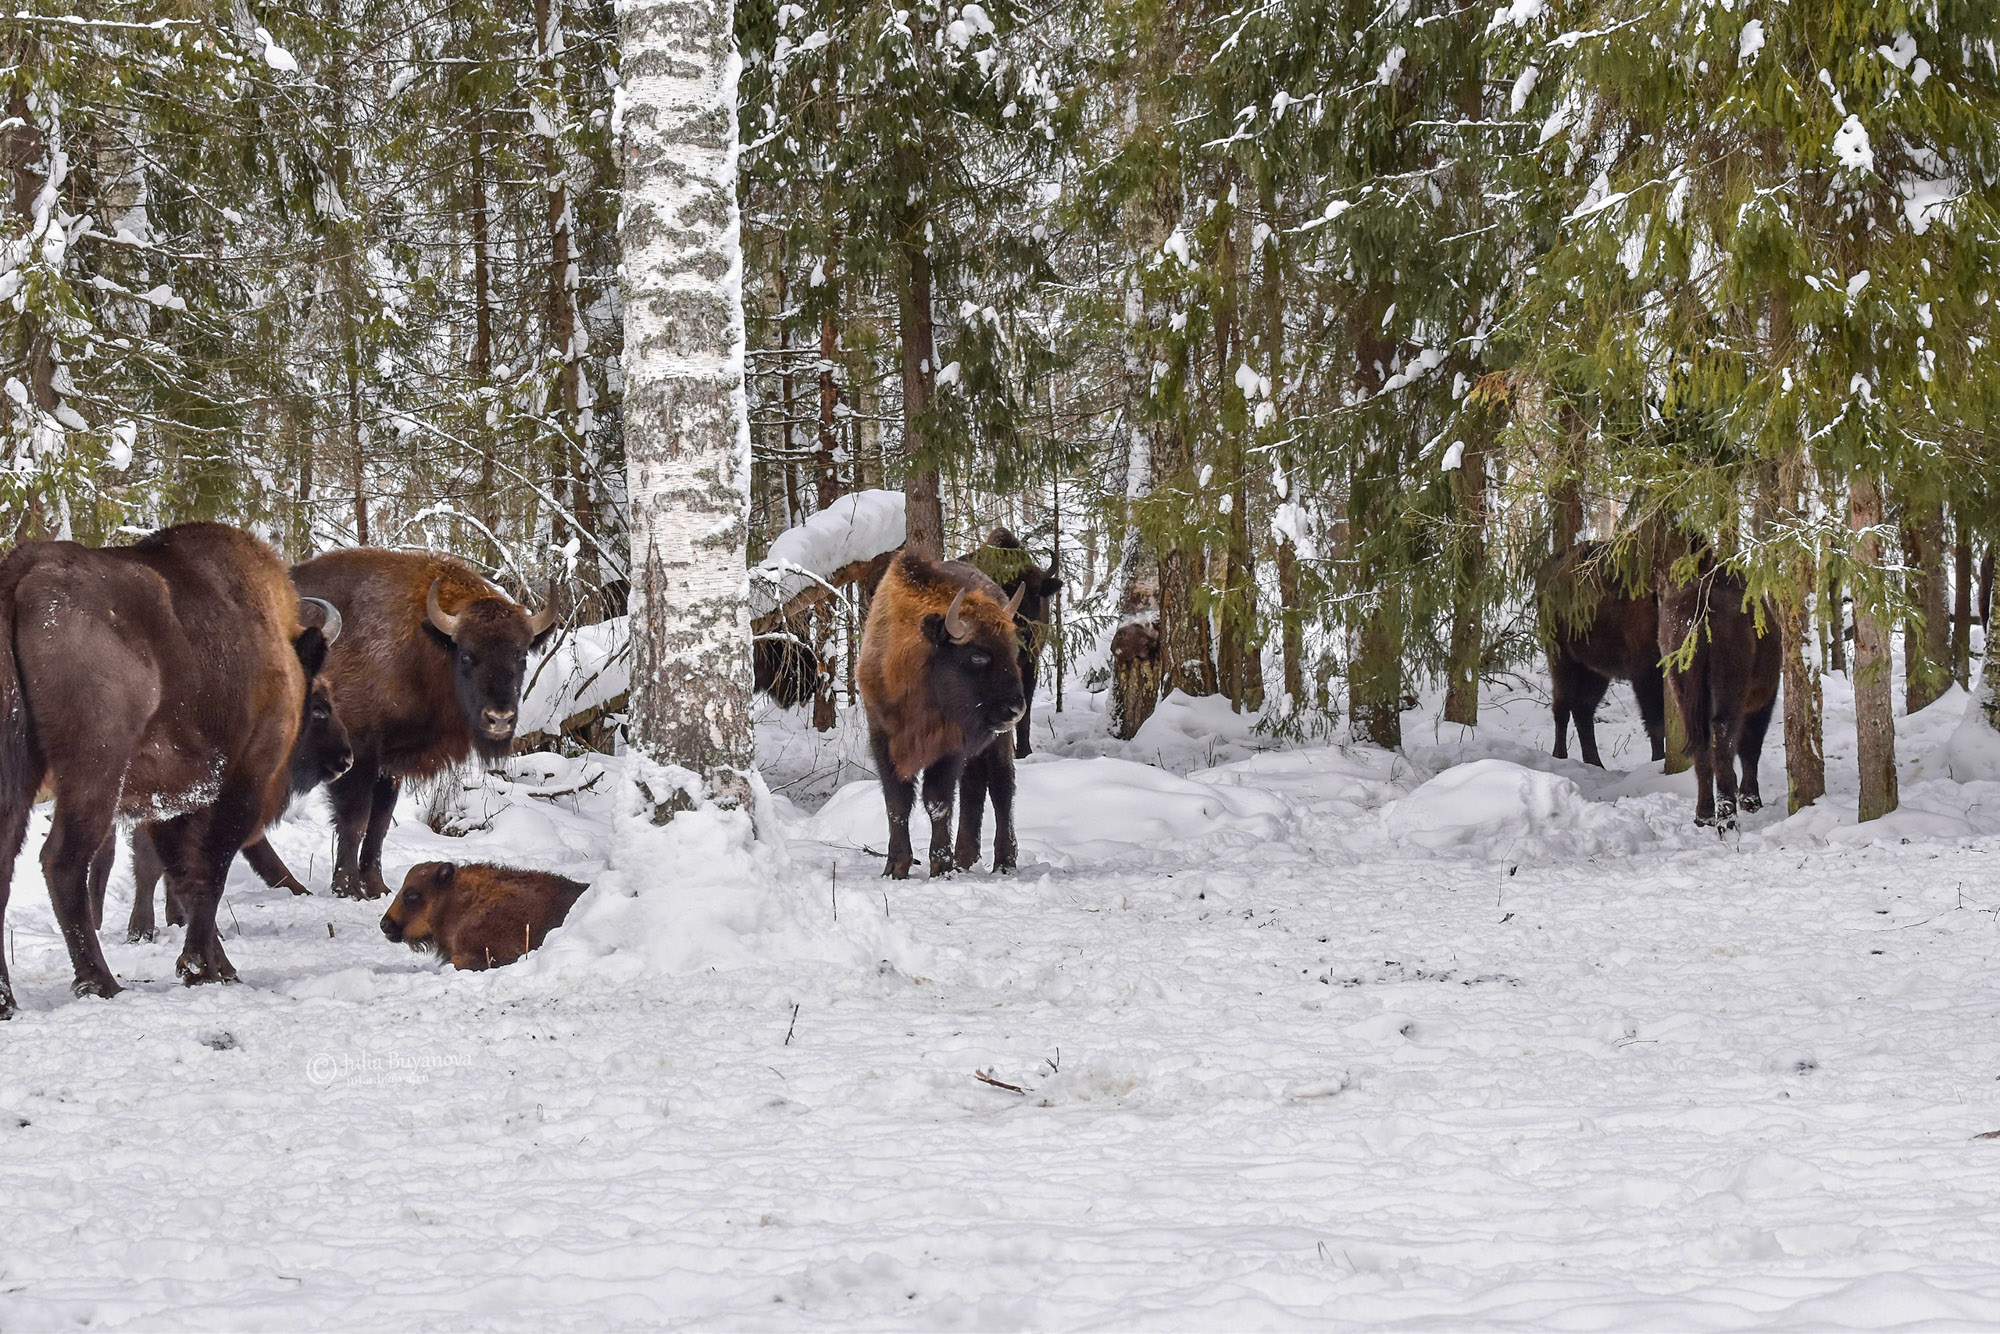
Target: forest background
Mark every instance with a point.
(1301, 334)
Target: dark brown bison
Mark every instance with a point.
(941, 680)
(1597, 633)
(478, 916)
(319, 755)
(784, 667)
(1006, 562)
(1728, 688)
(428, 671)
(162, 681)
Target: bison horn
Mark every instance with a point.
(329, 619)
(541, 621)
(1014, 603)
(956, 625)
(446, 623)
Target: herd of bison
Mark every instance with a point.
(190, 685)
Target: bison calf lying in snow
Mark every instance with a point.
(478, 916)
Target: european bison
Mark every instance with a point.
(941, 681)
(427, 672)
(1727, 691)
(478, 916)
(162, 681)
(1597, 633)
(319, 755)
(1006, 562)
(784, 667)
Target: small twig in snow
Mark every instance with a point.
(986, 1077)
(794, 1024)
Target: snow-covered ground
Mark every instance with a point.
(1298, 1036)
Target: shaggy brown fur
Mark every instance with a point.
(1729, 689)
(943, 705)
(1005, 561)
(1597, 633)
(159, 681)
(415, 699)
(478, 916)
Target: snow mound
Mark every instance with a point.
(1972, 752)
(857, 527)
(1079, 812)
(701, 891)
(1496, 809)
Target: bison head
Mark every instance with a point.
(975, 673)
(489, 638)
(412, 917)
(321, 752)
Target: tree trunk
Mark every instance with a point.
(1835, 620)
(1961, 606)
(1874, 716)
(923, 509)
(1805, 742)
(1461, 697)
(687, 433)
(487, 502)
(1927, 631)
(826, 477)
(1986, 597)
(1375, 677)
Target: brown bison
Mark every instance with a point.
(428, 671)
(1728, 688)
(1006, 562)
(1597, 633)
(320, 755)
(478, 916)
(162, 681)
(941, 680)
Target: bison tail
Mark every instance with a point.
(20, 773)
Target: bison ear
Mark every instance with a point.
(934, 630)
(311, 648)
(445, 871)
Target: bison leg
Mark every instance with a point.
(971, 810)
(1021, 746)
(1589, 692)
(1000, 783)
(898, 794)
(1649, 687)
(940, 786)
(13, 829)
(100, 877)
(145, 881)
(1691, 695)
(352, 796)
(82, 824)
(1723, 736)
(1750, 751)
(382, 811)
(271, 868)
(207, 843)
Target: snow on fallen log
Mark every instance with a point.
(584, 670)
(829, 548)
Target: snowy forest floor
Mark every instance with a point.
(1302, 1040)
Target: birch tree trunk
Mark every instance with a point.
(1874, 716)
(687, 428)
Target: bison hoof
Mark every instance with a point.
(941, 867)
(898, 870)
(298, 890)
(346, 886)
(138, 934)
(7, 1007)
(105, 986)
(1751, 803)
(197, 972)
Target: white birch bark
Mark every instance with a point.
(687, 430)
